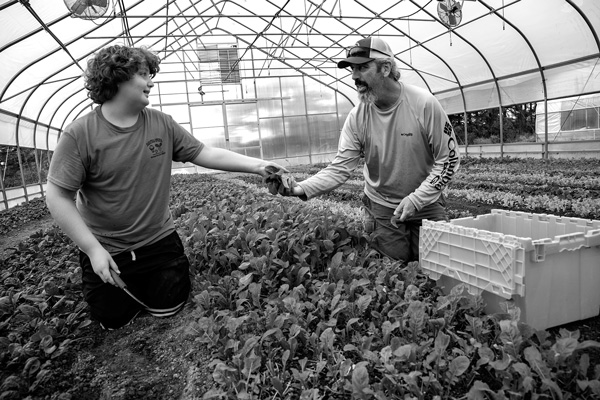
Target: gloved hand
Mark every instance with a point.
(279, 181)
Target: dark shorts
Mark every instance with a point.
(401, 243)
(157, 274)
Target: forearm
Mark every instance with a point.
(331, 177)
(225, 160)
(445, 167)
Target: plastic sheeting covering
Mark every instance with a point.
(500, 52)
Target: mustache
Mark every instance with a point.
(359, 82)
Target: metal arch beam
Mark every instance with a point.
(300, 71)
(187, 22)
(334, 42)
(108, 41)
(351, 29)
(540, 69)
(420, 44)
(285, 63)
(495, 80)
(256, 38)
(14, 42)
(419, 73)
(460, 86)
(8, 4)
(48, 128)
(171, 18)
(18, 121)
(296, 68)
(288, 35)
(587, 21)
(47, 29)
(55, 51)
(177, 28)
(31, 33)
(305, 74)
(152, 16)
(55, 110)
(42, 82)
(30, 88)
(76, 115)
(595, 35)
(17, 126)
(15, 76)
(355, 30)
(266, 53)
(252, 15)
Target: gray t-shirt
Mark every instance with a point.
(122, 175)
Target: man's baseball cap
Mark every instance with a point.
(366, 50)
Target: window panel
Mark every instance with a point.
(243, 136)
(207, 116)
(292, 91)
(566, 121)
(319, 98)
(179, 113)
(579, 119)
(592, 118)
(324, 133)
(272, 138)
(241, 114)
(214, 137)
(268, 89)
(296, 134)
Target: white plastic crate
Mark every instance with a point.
(549, 266)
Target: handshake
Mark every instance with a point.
(280, 182)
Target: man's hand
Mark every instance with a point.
(102, 263)
(405, 210)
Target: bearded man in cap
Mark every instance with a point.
(409, 148)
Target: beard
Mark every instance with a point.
(367, 95)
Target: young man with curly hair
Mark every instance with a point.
(116, 161)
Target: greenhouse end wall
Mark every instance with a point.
(570, 119)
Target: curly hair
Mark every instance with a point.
(114, 65)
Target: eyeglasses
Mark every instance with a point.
(363, 52)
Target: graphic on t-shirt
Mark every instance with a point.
(155, 146)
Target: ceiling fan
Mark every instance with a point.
(87, 9)
(450, 12)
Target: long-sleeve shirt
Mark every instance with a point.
(410, 149)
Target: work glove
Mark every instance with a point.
(279, 182)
